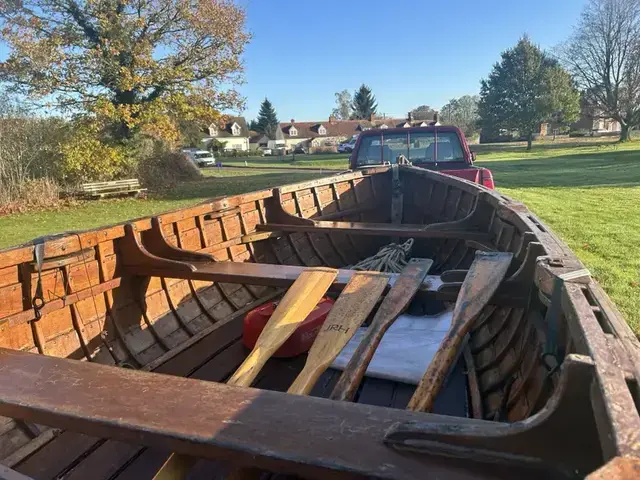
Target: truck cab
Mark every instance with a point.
(442, 148)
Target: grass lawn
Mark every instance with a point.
(587, 191)
(331, 161)
(590, 197)
(15, 229)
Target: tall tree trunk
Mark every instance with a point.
(529, 141)
(625, 132)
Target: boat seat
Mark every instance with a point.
(77, 456)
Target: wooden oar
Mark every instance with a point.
(484, 277)
(349, 312)
(293, 309)
(394, 303)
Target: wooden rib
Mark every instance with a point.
(38, 337)
(75, 314)
(473, 384)
(303, 259)
(495, 384)
(355, 195)
(318, 253)
(526, 378)
(484, 318)
(204, 244)
(316, 200)
(141, 302)
(506, 314)
(513, 335)
(185, 326)
(109, 311)
(336, 197)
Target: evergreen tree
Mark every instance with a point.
(364, 103)
(526, 89)
(267, 122)
(253, 125)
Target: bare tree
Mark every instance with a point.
(343, 105)
(603, 55)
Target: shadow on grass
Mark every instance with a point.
(214, 186)
(521, 146)
(599, 169)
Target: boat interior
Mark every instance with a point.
(532, 392)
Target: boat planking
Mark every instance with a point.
(116, 343)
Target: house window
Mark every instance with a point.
(213, 130)
(322, 130)
(293, 132)
(235, 129)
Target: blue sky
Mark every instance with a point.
(410, 52)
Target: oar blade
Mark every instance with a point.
(351, 309)
(394, 303)
(293, 309)
(483, 279)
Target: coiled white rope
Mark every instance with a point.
(391, 258)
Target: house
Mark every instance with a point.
(232, 131)
(321, 136)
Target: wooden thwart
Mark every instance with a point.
(394, 303)
(293, 309)
(480, 283)
(376, 229)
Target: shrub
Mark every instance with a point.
(39, 193)
(159, 168)
(324, 149)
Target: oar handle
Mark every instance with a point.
(304, 382)
(425, 395)
(250, 368)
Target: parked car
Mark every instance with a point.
(202, 158)
(348, 146)
(300, 150)
(441, 148)
(266, 151)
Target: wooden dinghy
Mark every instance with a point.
(121, 345)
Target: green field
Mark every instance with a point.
(587, 192)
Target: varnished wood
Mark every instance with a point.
(295, 306)
(349, 312)
(209, 419)
(376, 229)
(292, 310)
(481, 282)
(394, 303)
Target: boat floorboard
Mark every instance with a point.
(76, 456)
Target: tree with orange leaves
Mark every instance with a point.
(130, 65)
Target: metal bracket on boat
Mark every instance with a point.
(38, 298)
(554, 311)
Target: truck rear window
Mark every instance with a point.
(418, 147)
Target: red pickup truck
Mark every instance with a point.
(439, 147)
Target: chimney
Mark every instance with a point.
(372, 117)
(293, 121)
(410, 117)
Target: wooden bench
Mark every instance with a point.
(130, 186)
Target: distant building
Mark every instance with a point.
(326, 135)
(232, 131)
